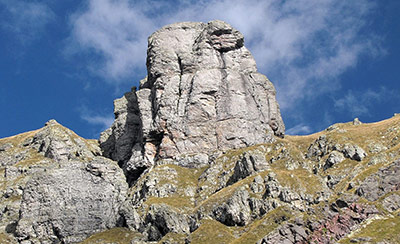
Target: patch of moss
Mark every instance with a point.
(212, 231)
(117, 235)
(173, 238)
(182, 203)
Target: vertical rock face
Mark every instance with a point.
(71, 202)
(202, 94)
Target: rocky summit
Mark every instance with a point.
(202, 95)
(197, 154)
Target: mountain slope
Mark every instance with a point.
(198, 155)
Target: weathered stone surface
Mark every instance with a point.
(180, 139)
(248, 164)
(392, 202)
(5, 147)
(354, 152)
(71, 202)
(236, 211)
(203, 93)
(338, 225)
(319, 147)
(384, 181)
(163, 219)
(356, 121)
(287, 234)
(59, 143)
(334, 158)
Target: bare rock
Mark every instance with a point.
(382, 182)
(333, 180)
(354, 152)
(5, 147)
(334, 158)
(163, 219)
(319, 148)
(59, 143)
(202, 94)
(69, 203)
(248, 164)
(287, 234)
(392, 202)
(236, 211)
(356, 121)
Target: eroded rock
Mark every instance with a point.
(354, 152)
(163, 219)
(71, 202)
(202, 94)
(334, 158)
(59, 143)
(384, 181)
(248, 164)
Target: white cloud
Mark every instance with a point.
(116, 30)
(359, 103)
(25, 19)
(304, 45)
(104, 121)
(300, 129)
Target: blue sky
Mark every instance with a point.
(330, 60)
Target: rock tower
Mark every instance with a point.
(203, 93)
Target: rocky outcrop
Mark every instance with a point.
(72, 201)
(334, 158)
(289, 233)
(236, 211)
(341, 224)
(59, 143)
(354, 152)
(163, 219)
(248, 164)
(202, 94)
(389, 180)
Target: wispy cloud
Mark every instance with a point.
(104, 121)
(300, 129)
(359, 103)
(118, 32)
(26, 19)
(304, 45)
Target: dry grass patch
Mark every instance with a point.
(262, 227)
(212, 231)
(381, 230)
(115, 235)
